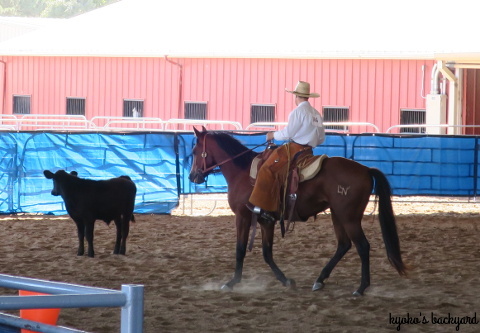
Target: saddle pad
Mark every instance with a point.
(254, 167)
(311, 168)
(306, 172)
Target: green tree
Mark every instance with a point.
(49, 8)
(69, 8)
(31, 8)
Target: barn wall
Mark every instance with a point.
(471, 104)
(374, 90)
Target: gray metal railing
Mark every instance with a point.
(65, 295)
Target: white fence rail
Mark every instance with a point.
(344, 124)
(135, 124)
(265, 125)
(44, 122)
(104, 123)
(419, 127)
(64, 295)
(187, 124)
(127, 123)
(38, 122)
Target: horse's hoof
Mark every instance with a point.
(291, 284)
(226, 287)
(357, 294)
(318, 286)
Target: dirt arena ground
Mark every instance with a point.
(184, 260)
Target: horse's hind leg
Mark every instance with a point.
(363, 249)
(343, 245)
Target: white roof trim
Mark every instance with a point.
(408, 29)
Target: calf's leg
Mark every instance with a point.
(123, 227)
(81, 237)
(125, 230)
(118, 239)
(89, 226)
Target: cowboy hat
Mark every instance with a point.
(303, 90)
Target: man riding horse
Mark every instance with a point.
(303, 132)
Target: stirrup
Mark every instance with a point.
(263, 214)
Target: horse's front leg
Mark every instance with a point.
(267, 248)
(243, 228)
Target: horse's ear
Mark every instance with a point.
(197, 133)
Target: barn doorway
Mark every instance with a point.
(471, 100)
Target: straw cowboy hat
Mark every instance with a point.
(303, 90)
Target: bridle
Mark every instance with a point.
(204, 155)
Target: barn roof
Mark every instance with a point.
(262, 29)
(11, 27)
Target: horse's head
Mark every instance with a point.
(201, 158)
(218, 149)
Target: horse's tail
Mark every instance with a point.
(387, 220)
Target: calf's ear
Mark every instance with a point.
(48, 174)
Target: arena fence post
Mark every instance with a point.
(132, 311)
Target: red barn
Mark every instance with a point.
(221, 61)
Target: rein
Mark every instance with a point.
(204, 156)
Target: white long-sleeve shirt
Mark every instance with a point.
(305, 126)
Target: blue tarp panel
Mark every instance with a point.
(415, 165)
(149, 159)
(430, 165)
(159, 164)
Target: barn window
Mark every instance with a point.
(21, 104)
(195, 110)
(76, 106)
(133, 108)
(262, 113)
(412, 117)
(335, 114)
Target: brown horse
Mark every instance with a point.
(342, 185)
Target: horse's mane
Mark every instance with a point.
(233, 147)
